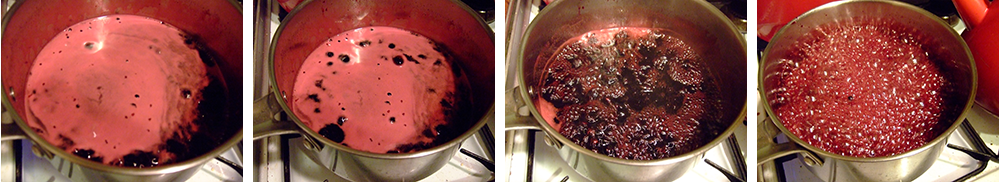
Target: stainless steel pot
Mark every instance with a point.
(29, 25)
(901, 167)
(448, 22)
(698, 23)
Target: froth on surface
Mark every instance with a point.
(381, 90)
(120, 90)
(864, 88)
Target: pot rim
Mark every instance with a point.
(549, 131)
(943, 137)
(305, 130)
(104, 168)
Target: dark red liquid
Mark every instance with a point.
(863, 88)
(630, 93)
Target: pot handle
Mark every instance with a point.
(267, 118)
(11, 131)
(516, 112)
(768, 150)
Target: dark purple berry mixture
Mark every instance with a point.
(630, 93)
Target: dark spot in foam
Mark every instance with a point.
(388, 93)
(398, 60)
(421, 56)
(78, 106)
(431, 90)
(139, 159)
(188, 40)
(344, 58)
(329, 63)
(329, 54)
(332, 132)
(428, 133)
(410, 58)
(316, 110)
(137, 96)
(445, 103)
(392, 46)
(184, 93)
(392, 119)
(365, 43)
(88, 154)
(341, 120)
(319, 84)
(314, 97)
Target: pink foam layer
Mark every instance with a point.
(114, 84)
(370, 89)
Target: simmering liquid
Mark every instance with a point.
(128, 91)
(631, 93)
(382, 90)
(864, 88)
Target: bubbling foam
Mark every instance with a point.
(382, 90)
(128, 91)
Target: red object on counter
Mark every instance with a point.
(288, 5)
(983, 41)
(774, 14)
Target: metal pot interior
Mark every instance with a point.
(446, 22)
(29, 25)
(697, 23)
(958, 65)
